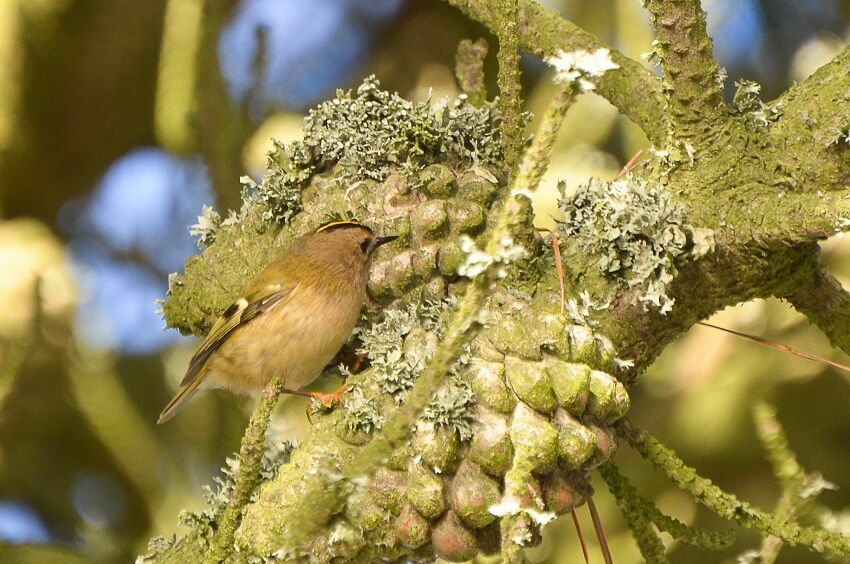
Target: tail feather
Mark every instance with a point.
(179, 400)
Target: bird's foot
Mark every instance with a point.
(324, 401)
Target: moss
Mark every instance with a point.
(469, 219)
(535, 442)
(488, 384)
(424, 490)
(424, 260)
(362, 509)
(491, 448)
(571, 384)
(449, 259)
(452, 541)
(608, 400)
(473, 187)
(399, 458)
(471, 494)
(430, 219)
(413, 530)
(517, 336)
(582, 345)
(439, 447)
(531, 382)
(576, 442)
(387, 487)
(438, 180)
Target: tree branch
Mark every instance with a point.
(691, 84)
(812, 133)
(820, 297)
(510, 90)
(634, 90)
(724, 504)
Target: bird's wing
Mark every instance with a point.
(238, 314)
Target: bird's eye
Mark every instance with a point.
(364, 246)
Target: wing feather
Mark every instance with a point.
(238, 314)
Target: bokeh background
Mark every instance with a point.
(119, 119)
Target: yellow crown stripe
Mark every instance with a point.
(334, 224)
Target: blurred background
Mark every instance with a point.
(119, 119)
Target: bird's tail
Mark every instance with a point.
(179, 400)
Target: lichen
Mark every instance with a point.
(204, 231)
(371, 130)
(638, 232)
(580, 69)
(452, 408)
(362, 413)
(747, 103)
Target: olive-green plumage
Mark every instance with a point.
(291, 319)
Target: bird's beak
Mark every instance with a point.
(384, 240)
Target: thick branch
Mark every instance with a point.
(634, 90)
(694, 94)
(799, 97)
(821, 298)
(726, 277)
(811, 134)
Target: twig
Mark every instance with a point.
(725, 504)
(510, 99)
(825, 303)
(248, 476)
(694, 93)
(559, 265)
(469, 69)
(629, 165)
(633, 89)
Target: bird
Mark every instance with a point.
(291, 320)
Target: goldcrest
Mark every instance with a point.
(291, 320)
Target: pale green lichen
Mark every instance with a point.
(747, 103)
(363, 413)
(638, 232)
(382, 345)
(371, 130)
(399, 347)
(452, 408)
(204, 231)
(368, 132)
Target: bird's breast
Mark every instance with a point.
(296, 340)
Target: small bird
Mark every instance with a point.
(291, 320)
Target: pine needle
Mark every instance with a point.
(779, 347)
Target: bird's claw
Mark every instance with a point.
(322, 400)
